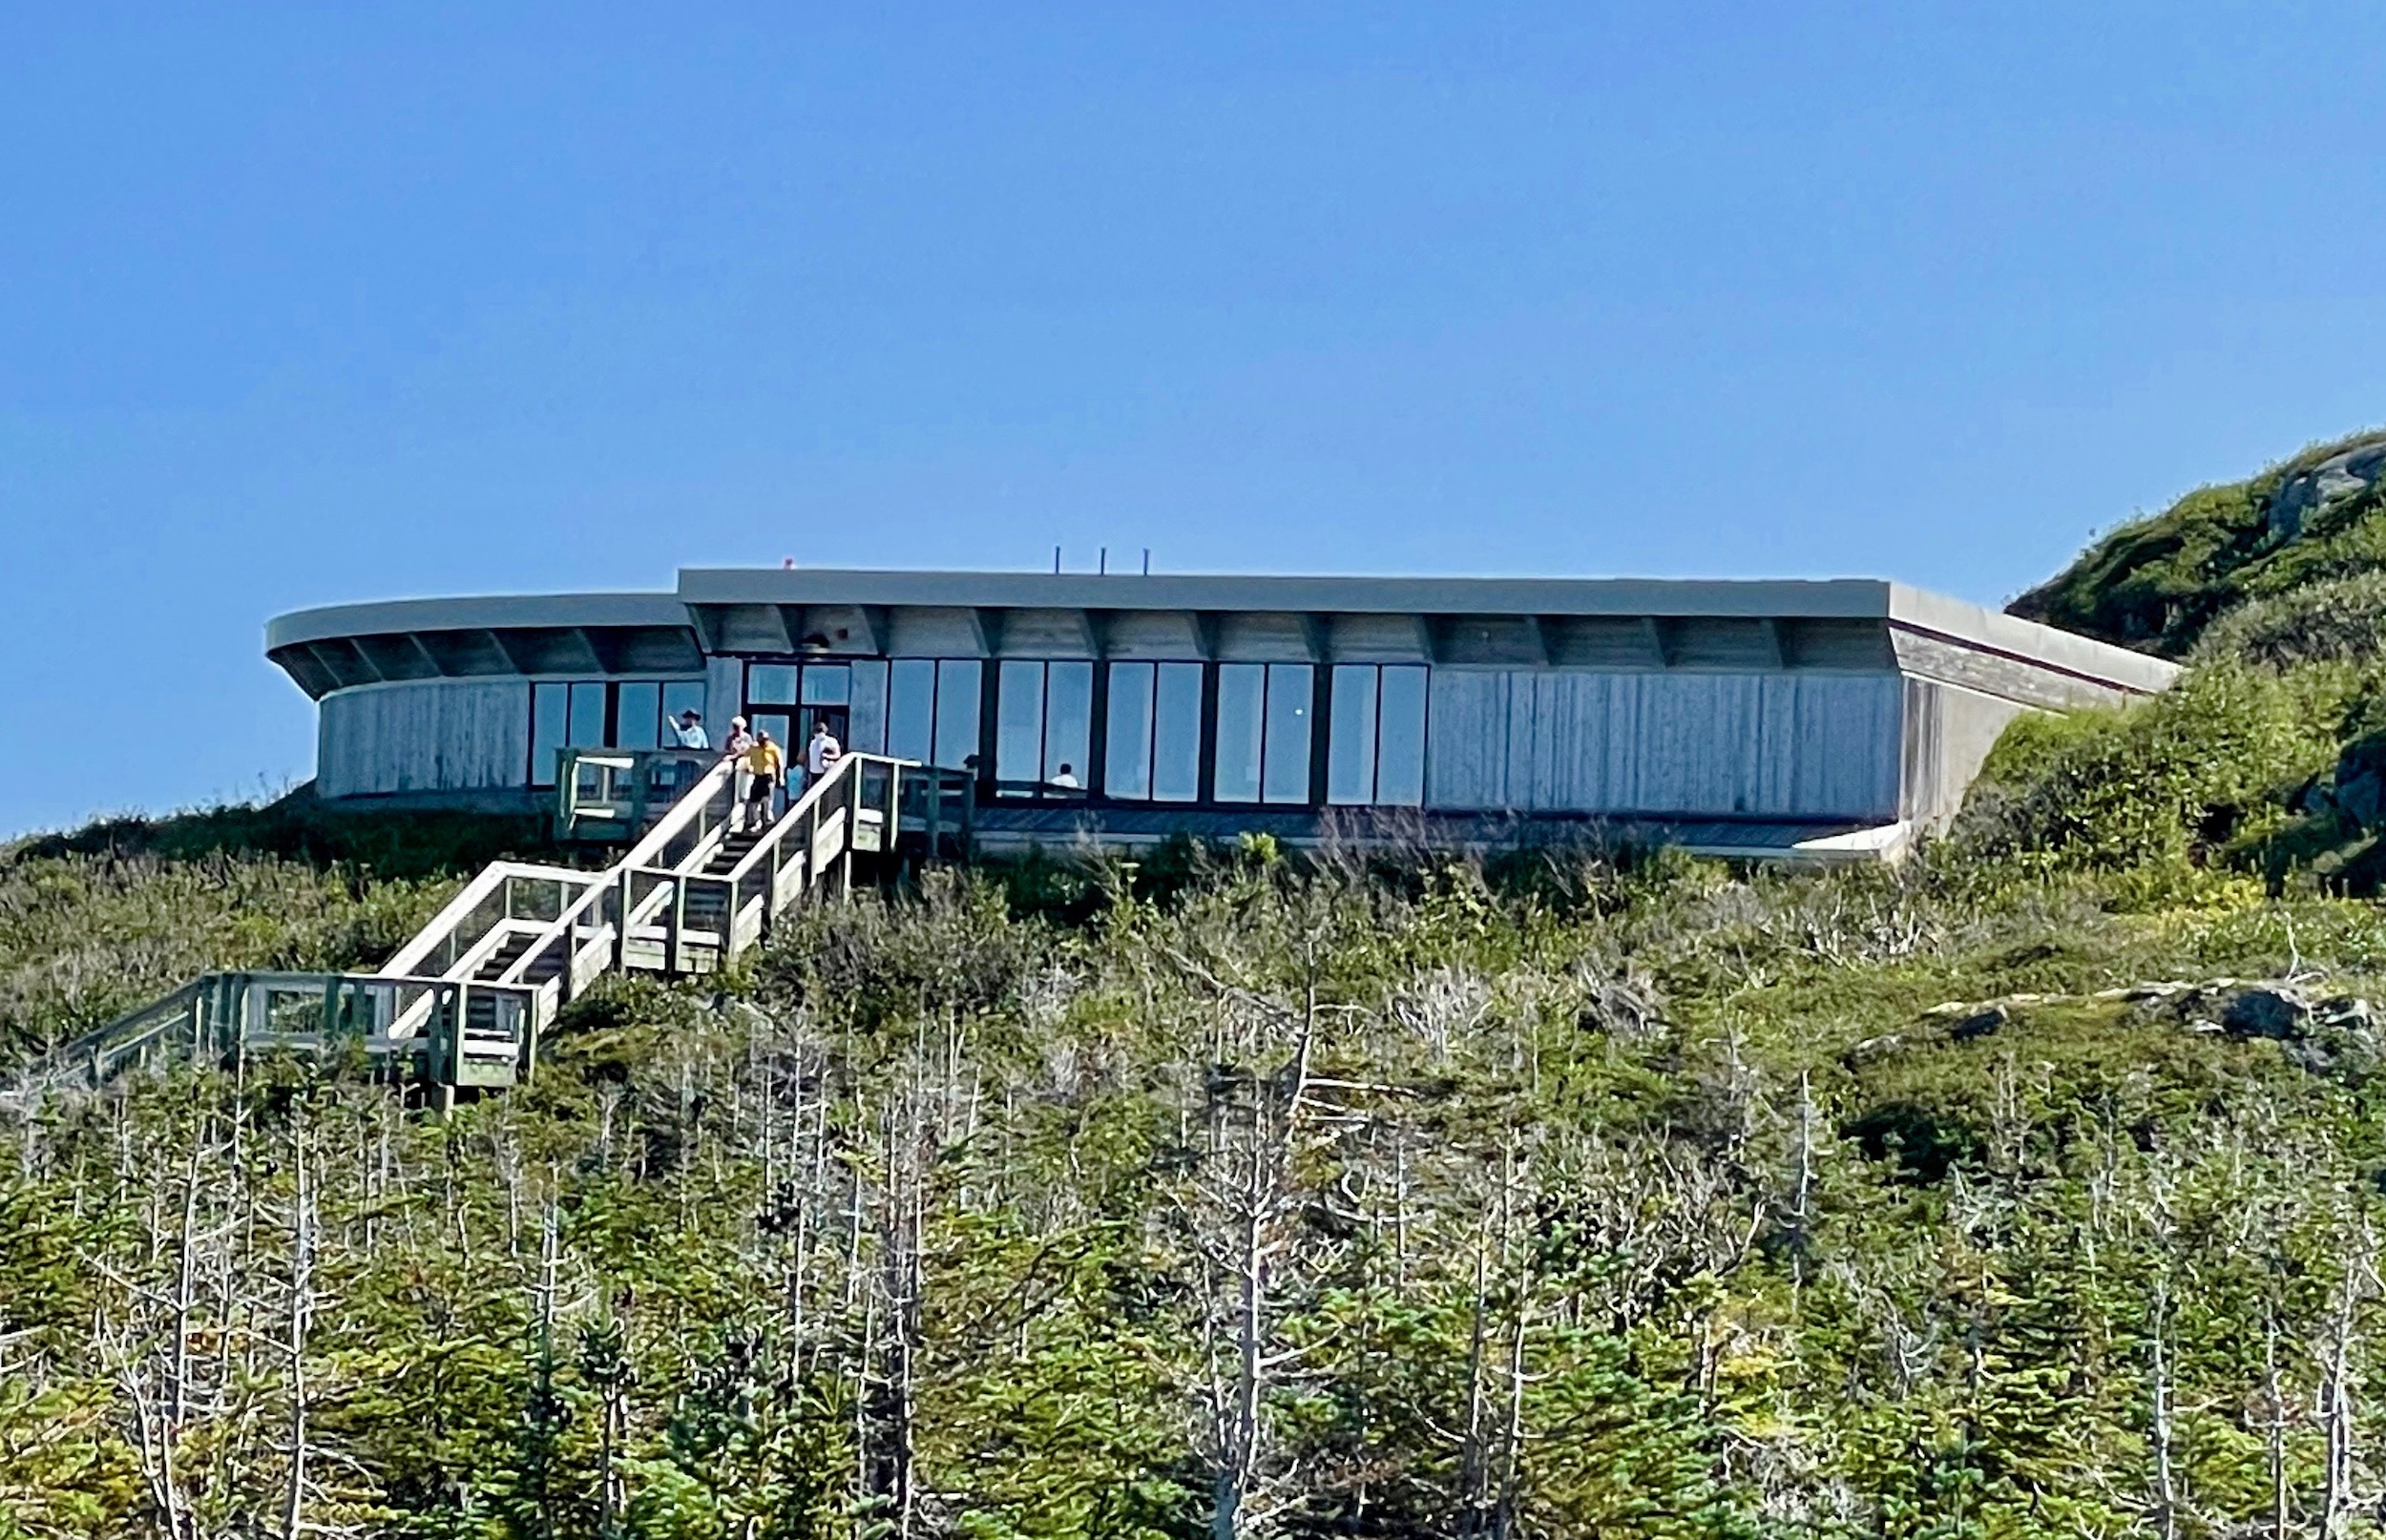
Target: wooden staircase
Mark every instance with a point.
(463, 1002)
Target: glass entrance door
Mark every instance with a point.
(839, 722)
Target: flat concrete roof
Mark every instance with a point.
(1843, 598)
(493, 611)
(1969, 625)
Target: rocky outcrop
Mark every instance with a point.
(2345, 474)
(2335, 1036)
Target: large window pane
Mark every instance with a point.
(1177, 734)
(771, 682)
(1127, 739)
(912, 709)
(1020, 722)
(636, 712)
(827, 684)
(1351, 741)
(587, 727)
(1291, 704)
(1400, 739)
(1242, 701)
(681, 695)
(868, 725)
(1068, 718)
(548, 706)
(781, 730)
(957, 684)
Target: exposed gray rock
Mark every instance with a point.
(2347, 473)
(2336, 1038)
(2275, 1011)
(1979, 1023)
(2359, 787)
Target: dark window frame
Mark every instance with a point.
(611, 714)
(1374, 673)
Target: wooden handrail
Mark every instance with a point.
(836, 799)
(847, 765)
(407, 958)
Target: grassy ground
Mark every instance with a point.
(96, 922)
(1640, 1199)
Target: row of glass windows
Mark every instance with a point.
(913, 708)
(1150, 722)
(1261, 750)
(599, 714)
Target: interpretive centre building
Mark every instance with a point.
(1751, 717)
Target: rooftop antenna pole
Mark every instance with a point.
(1103, 569)
(1147, 561)
(1056, 561)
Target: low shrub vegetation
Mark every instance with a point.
(2031, 1187)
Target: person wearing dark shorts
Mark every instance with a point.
(765, 768)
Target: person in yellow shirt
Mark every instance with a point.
(766, 768)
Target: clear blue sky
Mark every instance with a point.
(352, 302)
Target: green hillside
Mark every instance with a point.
(2296, 556)
(2034, 1187)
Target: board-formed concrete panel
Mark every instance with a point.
(442, 735)
(1709, 743)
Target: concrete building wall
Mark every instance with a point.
(724, 695)
(436, 734)
(1949, 730)
(1583, 740)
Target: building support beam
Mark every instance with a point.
(600, 647)
(781, 624)
(1771, 630)
(1537, 640)
(1654, 629)
(985, 629)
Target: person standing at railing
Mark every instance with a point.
(689, 731)
(821, 754)
(765, 768)
(739, 744)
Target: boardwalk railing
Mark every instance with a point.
(466, 999)
(452, 1031)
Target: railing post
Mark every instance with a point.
(674, 923)
(852, 821)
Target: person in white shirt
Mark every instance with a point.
(820, 755)
(689, 731)
(1066, 780)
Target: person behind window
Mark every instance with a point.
(1066, 780)
(820, 756)
(765, 768)
(689, 731)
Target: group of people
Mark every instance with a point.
(762, 765)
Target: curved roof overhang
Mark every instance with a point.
(339, 646)
(1630, 623)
